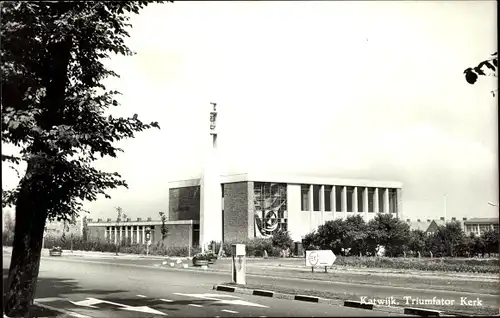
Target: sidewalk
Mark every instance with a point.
(93, 254)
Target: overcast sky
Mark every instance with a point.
(341, 89)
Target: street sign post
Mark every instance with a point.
(322, 258)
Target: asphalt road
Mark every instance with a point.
(210, 278)
(102, 288)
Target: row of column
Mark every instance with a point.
(343, 202)
(118, 234)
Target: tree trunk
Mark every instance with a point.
(26, 252)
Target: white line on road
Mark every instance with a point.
(195, 305)
(166, 300)
(64, 311)
(142, 296)
(230, 311)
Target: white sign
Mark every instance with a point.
(320, 258)
(148, 242)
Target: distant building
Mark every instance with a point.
(181, 233)
(429, 226)
(434, 225)
(475, 225)
(57, 228)
(418, 225)
(480, 225)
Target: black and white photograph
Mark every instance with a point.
(249, 158)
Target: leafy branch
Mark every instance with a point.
(472, 73)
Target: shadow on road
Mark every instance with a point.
(54, 287)
(62, 289)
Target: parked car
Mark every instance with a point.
(55, 251)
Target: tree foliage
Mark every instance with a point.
(54, 104)
(163, 229)
(55, 111)
(282, 240)
(353, 236)
(331, 235)
(490, 66)
(490, 241)
(417, 240)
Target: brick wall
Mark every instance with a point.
(178, 235)
(238, 211)
(184, 203)
(96, 232)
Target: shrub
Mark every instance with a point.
(425, 264)
(311, 241)
(254, 247)
(282, 240)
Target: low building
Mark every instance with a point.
(480, 225)
(418, 225)
(180, 233)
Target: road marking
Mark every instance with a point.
(166, 300)
(230, 311)
(64, 311)
(90, 302)
(218, 300)
(239, 302)
(195, 305)
(145, 309)
(142, 296)
(48, 299)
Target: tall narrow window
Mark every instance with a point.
(371, 199)
(350, 192)
(316, 189)
(338, 198)
(381, 200)
(393, 201)
(361, 202)
(328, 198)
(304, 189)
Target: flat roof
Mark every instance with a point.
(482, 221)
(291, 179)
(139, 223)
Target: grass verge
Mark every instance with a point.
(456, 309)
(399, 280)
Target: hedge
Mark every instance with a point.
(463, 265)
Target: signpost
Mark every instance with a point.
(322, 258)
(238, 267)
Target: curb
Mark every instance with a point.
(422, 312)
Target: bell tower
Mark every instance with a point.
(211, 193)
